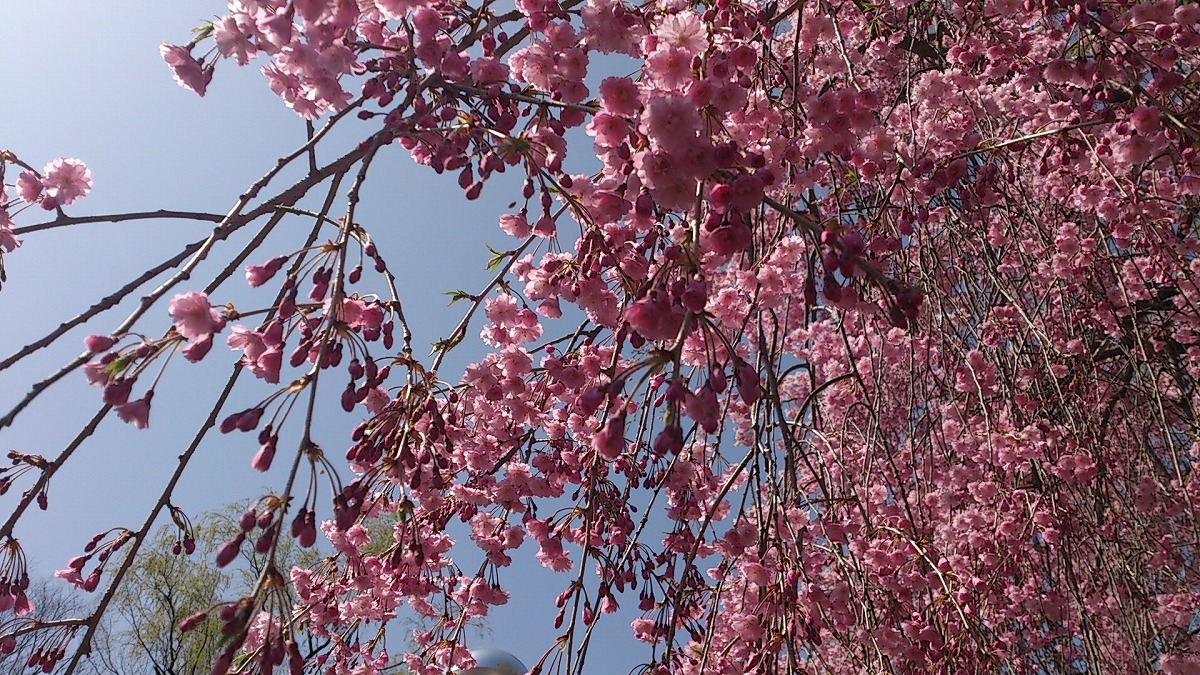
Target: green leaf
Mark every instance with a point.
(497, 258)
(203, 30)
(446, 344)
(455, 296)
(119, 364)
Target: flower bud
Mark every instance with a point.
(264, 456)
(192, 621)
(197, 350)
(91, 582)
(610, 441)
(247, 521)
(98, 343)
(248, 420)
(747, 381)
(229, 550)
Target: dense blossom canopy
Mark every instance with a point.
(883, 342)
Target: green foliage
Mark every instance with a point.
(161, 590)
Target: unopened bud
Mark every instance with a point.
(246, 522)
(192, 621)
(98, 343)
(229, 551)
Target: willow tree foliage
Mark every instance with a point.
(870, 345)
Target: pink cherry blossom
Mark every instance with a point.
(233, 35)
(189, 73)
(136, 412)
(194, 317)
(8, 240)
(66, 180)
(29, 187)
(262, 353)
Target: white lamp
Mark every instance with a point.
(492, 661)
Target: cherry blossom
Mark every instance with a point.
(884, 316)
(194, 317)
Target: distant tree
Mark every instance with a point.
(54, 602)
(163, 589)
(173, 582)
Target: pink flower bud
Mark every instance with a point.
(98, 343)
(257, 275)
(229, 550)
(198, 349)
(91, 582)
(720, 197)
(298, 522)
(192, 621)
(295, 661)
(309, 536)
(222, 664)
(695, 296)
(117, 391)
(853, 243)
(610, 441)
(729, 239)
(248, 420)
(668, 442)
(747, 381)
(717, 380)
(264, 456)
(247, 520)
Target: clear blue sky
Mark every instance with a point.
(84, 79)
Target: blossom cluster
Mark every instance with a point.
(873, 297)
(889, 313)
(61, 182)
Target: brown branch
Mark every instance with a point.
(139, 537)
(64, 220)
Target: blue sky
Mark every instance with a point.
(84, 79)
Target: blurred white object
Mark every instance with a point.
(492, 661)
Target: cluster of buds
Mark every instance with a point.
(235, 622)
(14, 578)
(51, 648)
(117, 370)
(247, 626)
(195, 321)
(97, 548)
(22, 464)
(185, 541)
(843, 256)
(268, 440)
(266, 516)
(372, 377)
